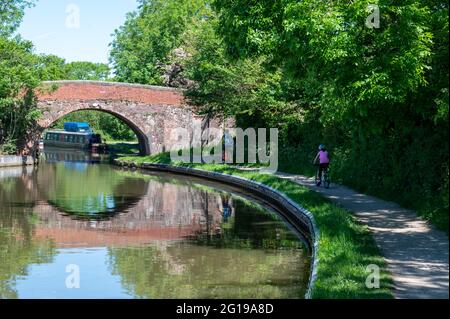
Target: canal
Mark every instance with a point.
(78, 227)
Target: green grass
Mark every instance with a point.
(346, 247)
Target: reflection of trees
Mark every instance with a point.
(93, 192)
(191, 271)
(258, 258)
(17, 248)
(251, 226)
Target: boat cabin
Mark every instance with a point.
(74, 135)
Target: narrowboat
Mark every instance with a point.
(75, 135)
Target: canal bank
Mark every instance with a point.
(347, 249)
(13, 161)
(298, 217)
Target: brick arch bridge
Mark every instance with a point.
(150, 111)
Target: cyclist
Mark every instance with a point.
(324, 162)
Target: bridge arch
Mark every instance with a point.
(144, 144)
(152, 112)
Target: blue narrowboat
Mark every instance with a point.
(75, 135)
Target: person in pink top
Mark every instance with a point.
(324, 161)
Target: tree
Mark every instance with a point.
(143, 45)
(18, 79)
(51, 67)
(241, 88)
(87, 71)
(11, 14)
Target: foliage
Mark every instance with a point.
(11, 14)
(52, 68)
(377, 97)
(87, 71)
(18, 78)
(254, 236)
(143, 45)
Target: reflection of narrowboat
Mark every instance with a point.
(74, 135)
(57, 154)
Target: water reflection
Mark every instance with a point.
(139, 236)
(74, 158)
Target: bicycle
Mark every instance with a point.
(323, 180)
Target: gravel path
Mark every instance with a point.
(416, 252)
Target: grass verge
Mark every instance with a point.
(346, 247)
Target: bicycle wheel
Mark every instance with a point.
(326, 180)
(318, 179)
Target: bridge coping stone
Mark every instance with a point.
(118, 84)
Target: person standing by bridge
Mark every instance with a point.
(227, 147)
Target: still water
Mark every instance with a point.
(74, 227)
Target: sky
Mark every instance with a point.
(76, 30)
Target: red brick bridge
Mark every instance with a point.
(152, 112)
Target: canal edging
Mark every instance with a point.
(13, 161)
(299, 217)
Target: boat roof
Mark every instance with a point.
(82, 124)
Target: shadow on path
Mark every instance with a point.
(416, 252)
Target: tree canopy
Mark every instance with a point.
(11, 14)
(18, 79)
(143, 45)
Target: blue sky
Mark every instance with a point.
(52, 26)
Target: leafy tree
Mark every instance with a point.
(11, 14)
(51, 67)
(87, 71)
(143, 45)
(18, 79)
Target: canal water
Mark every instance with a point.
(76, 227)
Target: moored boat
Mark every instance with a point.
(75, 135)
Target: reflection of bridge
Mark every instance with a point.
(160, 210)
(151, 112)
(163, 211)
